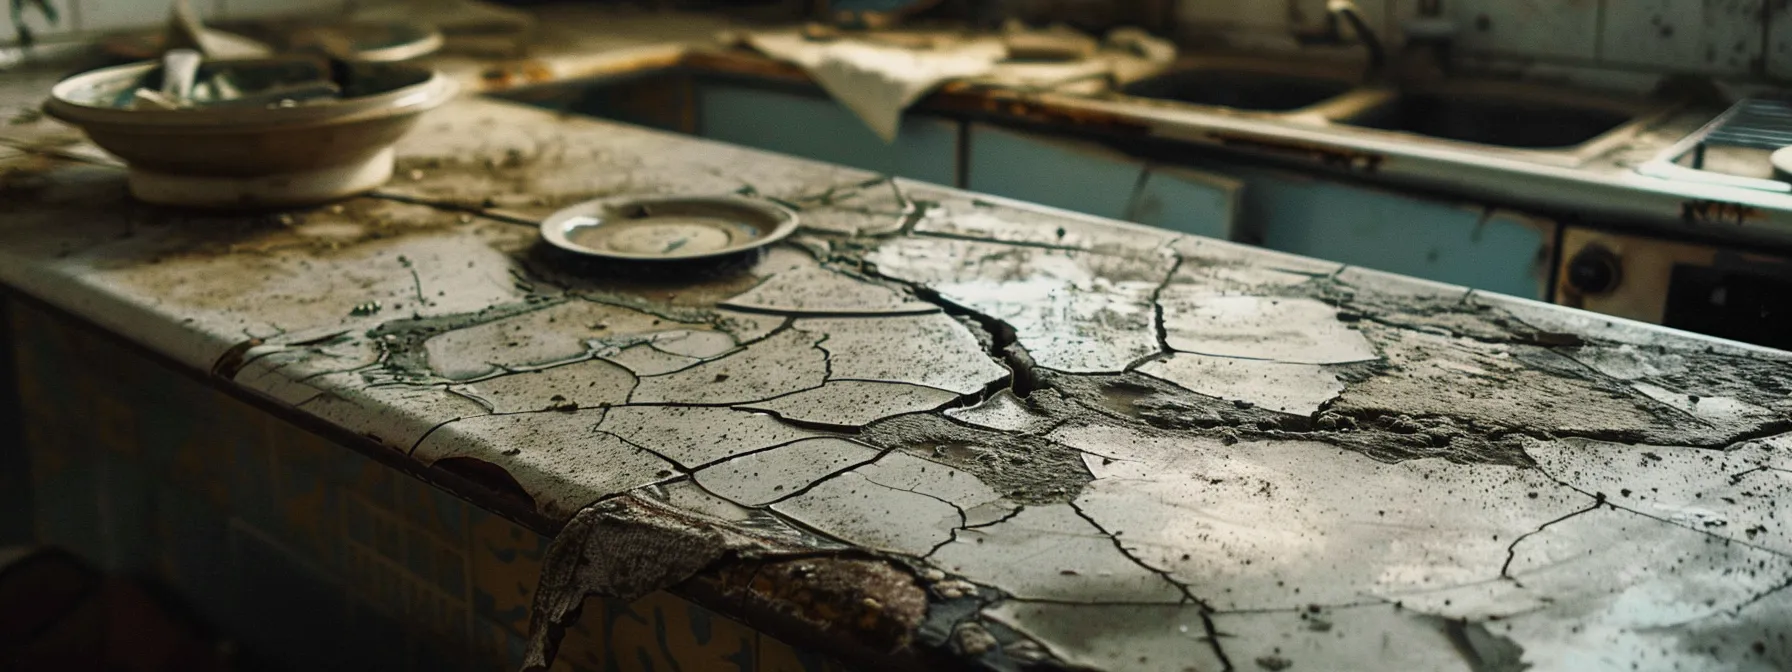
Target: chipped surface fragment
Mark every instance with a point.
(1050, 552)
(900, 503)
(1073, 311)
(853, 403)
(588, 384)
(532, 339)
(1153, 638)
(1293, 331)
(1612, 588)
(695, 436)
(1003, 412)
(1299, 389)
(1708, 409)
(816, 290)
(1235, 523)
(767, 476)
(779, 365)
(1367, 637)
(1727, 494)
(562, 475)
(927, 350)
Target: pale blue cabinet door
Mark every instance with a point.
(1187, 201)
(926, 149)
(1064, 174)
(1461, 245)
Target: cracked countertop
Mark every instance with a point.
(984, 434)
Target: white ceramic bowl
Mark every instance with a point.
(252, 157)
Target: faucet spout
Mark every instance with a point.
(1337, 13)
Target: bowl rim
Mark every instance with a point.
(427, 39)
(435, 90)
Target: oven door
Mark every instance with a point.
(1700, 288)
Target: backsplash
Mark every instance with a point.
(99, 16)
(1728, 38)
(1743, 39)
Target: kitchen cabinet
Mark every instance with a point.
(655, 100)
(1707, 289)
(1473, 246)
(782, 119)
(1089, 178)
(1187, 201)
(819, 128)
(1081, 177)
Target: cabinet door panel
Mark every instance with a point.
(824, 130)
(1078, 176)
(1188, 201)
(1470, 246)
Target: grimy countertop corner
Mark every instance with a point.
(938, 430)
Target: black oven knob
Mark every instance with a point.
(1595, 270)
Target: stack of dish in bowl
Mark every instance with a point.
(250, 133)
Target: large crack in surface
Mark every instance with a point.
(1029, 469)
(1512, 549)
(1187, 594)
(1024, 468)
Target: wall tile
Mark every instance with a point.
(1779, 39)
(253, 9)
(116, 15)
(1689, 35)
(1536, 28)
(306, 491)
(1261, 24)
(504, 566)
(35, 21)
(1258, 15)
(113, 15)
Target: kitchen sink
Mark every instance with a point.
(1486, 120)
(1240, 89)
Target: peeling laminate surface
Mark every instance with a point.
(1000, 435)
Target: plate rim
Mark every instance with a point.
(553, 228)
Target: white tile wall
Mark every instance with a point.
(101, 16)
(244, 9)
(111, 15)
(1736, 38)
(1704, 35)
(35, 21)
(1779, 40)
(1566, 29)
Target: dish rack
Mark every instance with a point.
(1755, 123)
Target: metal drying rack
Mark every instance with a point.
(1755, 123)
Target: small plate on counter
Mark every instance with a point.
(641, 230)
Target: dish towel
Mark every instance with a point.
(877, 81)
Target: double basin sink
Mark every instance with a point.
(1482, 114)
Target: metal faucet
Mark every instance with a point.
(1429, 38)
(21, 30)
(1337, 13)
